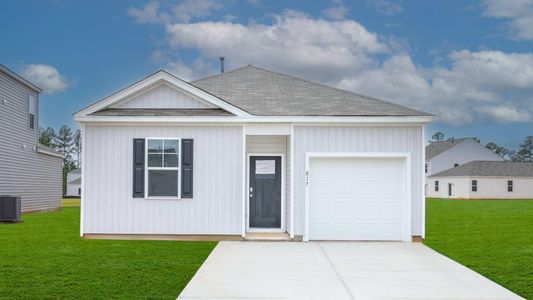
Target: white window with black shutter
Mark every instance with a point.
(162, 168)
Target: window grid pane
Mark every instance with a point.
(163, 168)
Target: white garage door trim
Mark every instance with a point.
(406, 227)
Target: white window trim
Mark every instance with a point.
(146, 169)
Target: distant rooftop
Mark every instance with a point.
(19, 78)
(437, 148)
(490, 168)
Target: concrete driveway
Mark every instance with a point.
(336, 270)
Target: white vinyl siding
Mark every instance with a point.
(162, 96)
(487, 188)
(217, 204)
(33, 176)
(359, 139)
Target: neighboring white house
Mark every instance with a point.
(444, 155)
(27, 169)
(251, 151)
(74, 183)
(484, 180)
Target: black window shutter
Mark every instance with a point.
(32, 121)
(186, 168)
(138, 168)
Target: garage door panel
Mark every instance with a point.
(356, 198)
(340, 187)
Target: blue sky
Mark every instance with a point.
(470, 62)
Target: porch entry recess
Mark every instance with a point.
(264, 192)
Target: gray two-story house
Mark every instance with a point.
(27, 169)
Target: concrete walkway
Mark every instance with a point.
(336, 270)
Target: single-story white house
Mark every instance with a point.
(484, 180)
(251, 151)
(74, 183)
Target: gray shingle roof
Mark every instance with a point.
(265, 93)
(162, 112)
(437, 148)
(490, 168)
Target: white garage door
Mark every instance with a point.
(357, 198)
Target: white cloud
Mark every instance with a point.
(337, 10)
(294, 43)
(45, 77)
(476, 85)
(147, 14)
(185, 11)
(189, 9)
(464, 87)
(505, 114)
(518, 13)
(198, 69)
(386, 7)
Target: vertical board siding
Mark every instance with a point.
(358, 139)
(215, 208)
(266, 144)
(288, 185)
(34, 176)
(162, 96)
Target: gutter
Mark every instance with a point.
(45, 151)
(254, 119)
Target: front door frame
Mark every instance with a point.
(283, 186)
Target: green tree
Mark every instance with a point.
(502, 151)
(64, 142)
(526, 149)
(437, 137)
(77, 147)
(47, 137)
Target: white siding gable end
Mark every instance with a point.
(163, 96)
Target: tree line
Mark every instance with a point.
(68, 143)
(523, 153)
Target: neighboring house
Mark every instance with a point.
(251, 151)
(74, 183)
(484, 180)
(27, 169)
(444, 155)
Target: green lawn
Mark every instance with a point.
(71, 202)
(492, 237)
(45, 258)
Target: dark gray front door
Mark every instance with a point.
(265, 192)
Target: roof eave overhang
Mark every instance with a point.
(20, 79)
(160, 76)
(254, 119)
